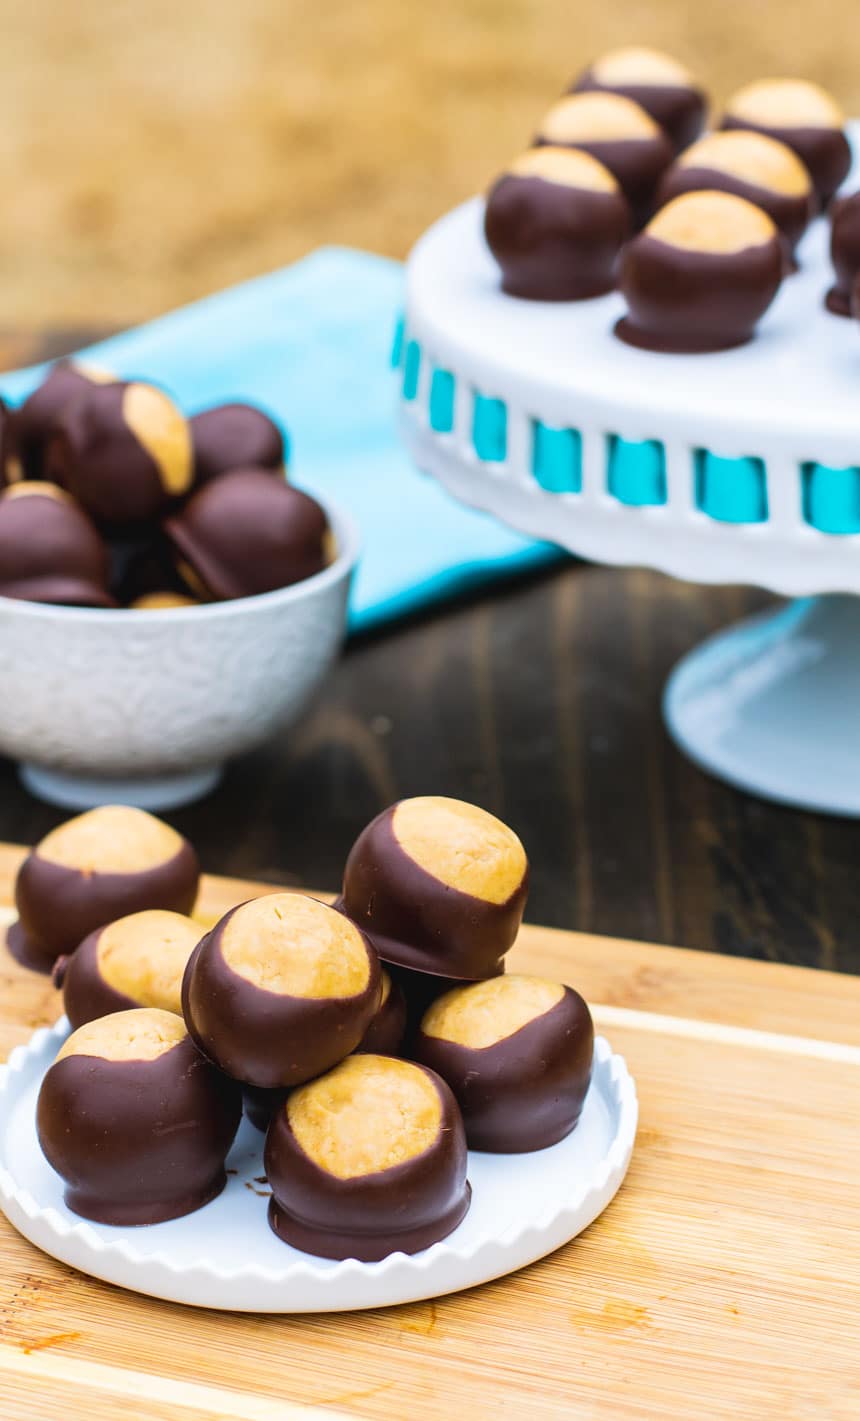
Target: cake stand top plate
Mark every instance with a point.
(795, 386)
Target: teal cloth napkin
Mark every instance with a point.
(312, 345)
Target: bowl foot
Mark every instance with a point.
(771, 705)
(72, 791)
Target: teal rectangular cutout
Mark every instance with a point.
(831, 498)
(411, 367)
(398, 343)
(731, 490)
(557, 458)
(442, 401)
(490, 429)
(637, 471)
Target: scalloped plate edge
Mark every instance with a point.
(302, 1286)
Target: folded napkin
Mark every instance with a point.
(311, 344)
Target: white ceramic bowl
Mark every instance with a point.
(144, 707)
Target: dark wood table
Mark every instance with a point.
(540, 701)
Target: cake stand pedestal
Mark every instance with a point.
(771, 704)
(737, 467)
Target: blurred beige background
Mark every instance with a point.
(153, 152)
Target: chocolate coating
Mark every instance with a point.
(138, 1141)
(631, 145)
(686, 301)
(718, 169)
(123, 450)
(272, 1039)
(844, 252)
(662, 89)
(260, 1105)
(418, 921)
(247, 533)
(31, 425)
(58, 906)
(405, 1207)
(50, 551)
(526, 1090)
(387, 1030)
(144, 564)
(803, 116)
(136, 962)
(555, 240)
(235, 436)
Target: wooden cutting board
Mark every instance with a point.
(724, 1281)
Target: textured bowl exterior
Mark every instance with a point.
(159, 693)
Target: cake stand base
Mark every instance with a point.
(771, 705)
(155, 792)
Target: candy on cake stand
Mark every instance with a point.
(736, 467)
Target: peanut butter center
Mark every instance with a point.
(35, 488)
(164, 433)
(96, 374)
(140, 1035)
(161, 602)
(112, 839)
(368, 1114)
(461, 845)
(786, 103)
(639, 65)
(595, 118)
(486, 1012)
(753, 157)
(297, 947)
(144, 956)
(712, 222)
(569, 167)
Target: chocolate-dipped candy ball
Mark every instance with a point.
(50, 551)
(95, 868)
(280, 990)
(844, 252)
(657, 82)
(700, 276)
(137, 961)
(235, 436)
(751, 165)
(805, 117)
(516, 1052)
(620, 134)
(123, 450)
(555, 223)
(367, 1161)
(247, 533)
(31, 425)
(135, 1121)
(438, 885)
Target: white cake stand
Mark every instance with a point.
(740, 467)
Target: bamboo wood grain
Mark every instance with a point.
(722, 1282)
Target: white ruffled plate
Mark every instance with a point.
(225, 1255)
